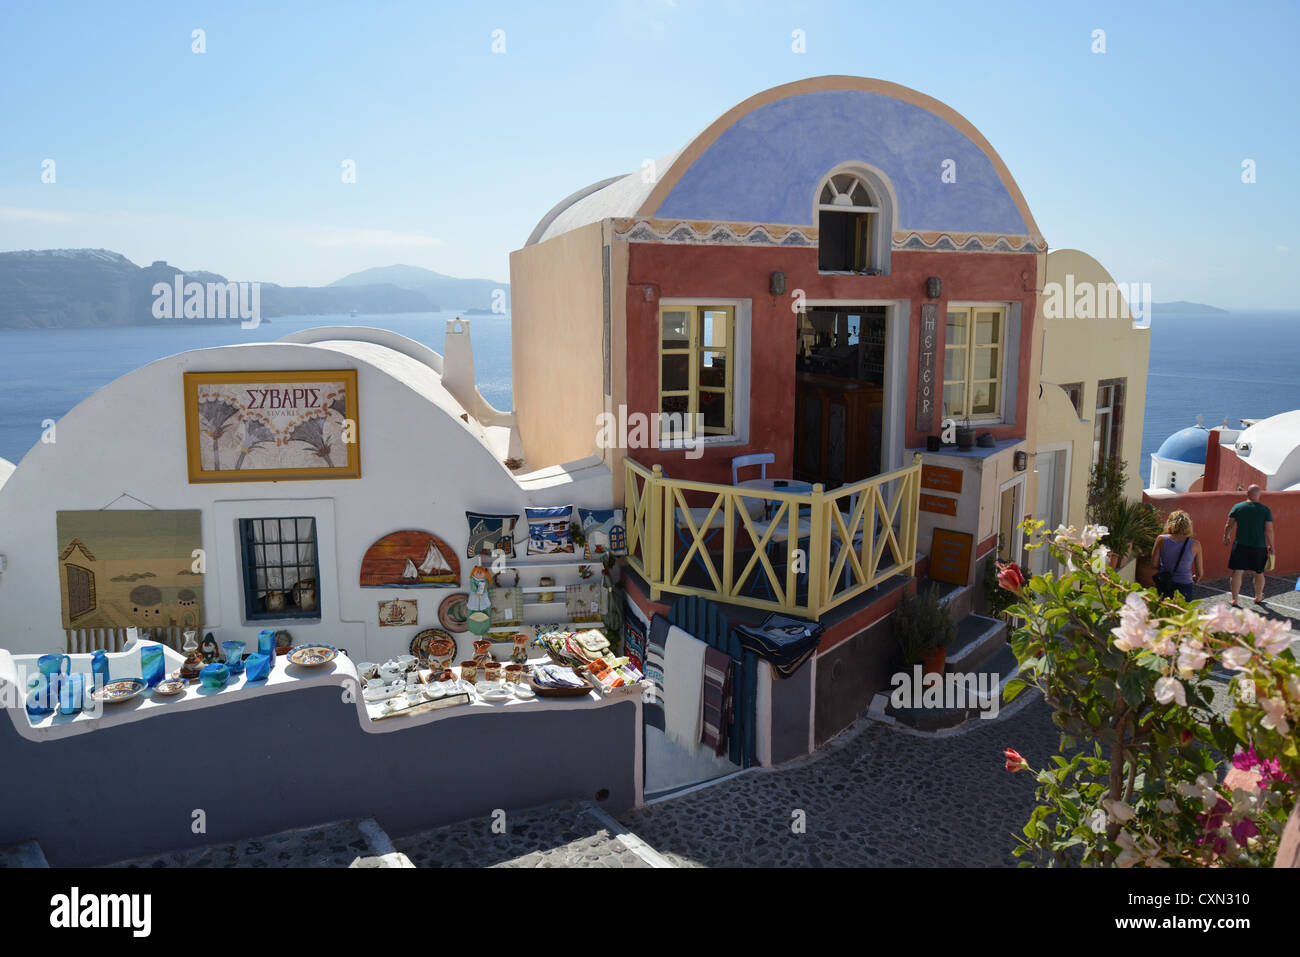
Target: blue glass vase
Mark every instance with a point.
(234, 651)
(266, 645)
(41, 700)
(99, 667)
(256, 667)
(153, 664)
(72, 691)
(214, 676)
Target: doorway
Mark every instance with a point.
(1011, 512)
(1052, 506)
(841, 357)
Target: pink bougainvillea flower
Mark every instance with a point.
(1224, 619)
(1275, 717)
(1273, 635)
(1092, 534)
(1236, 658)
(1170, 689)
(1245, 760)
(1191, 656)
(1243, 830)
(1014, 761)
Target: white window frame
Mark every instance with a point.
(884, 214)
(740, 380)
(1006, 410)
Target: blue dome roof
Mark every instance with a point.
(1186, 445)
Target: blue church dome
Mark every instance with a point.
(1186, 445)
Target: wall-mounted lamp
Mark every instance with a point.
(776, 283)
(933, 287)
(1173, 480)
(1021, 460)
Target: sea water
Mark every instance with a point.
(1218, 366)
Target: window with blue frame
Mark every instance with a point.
(280, 566)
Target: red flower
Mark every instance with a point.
(1010, 576)
(1014, 761)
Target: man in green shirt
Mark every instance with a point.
(1250, 529)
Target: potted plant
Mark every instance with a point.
(924, 629)
(1131, 526)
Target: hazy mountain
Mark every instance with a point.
(1180, 307)
(453, 293)
(77, 288)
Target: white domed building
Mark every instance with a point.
(1179, 464)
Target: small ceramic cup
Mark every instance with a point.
(492, 671)
(514, 673)
(469, 671)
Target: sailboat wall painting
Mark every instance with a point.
(410, 559)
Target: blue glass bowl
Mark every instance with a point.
(214, 675)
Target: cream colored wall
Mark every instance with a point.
(1089, 350)
(1058, 423)
(557, 330)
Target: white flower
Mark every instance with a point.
(1163, 645)
(1274, 715)
(1191, 656)
(1167, 805)
(1273, 636)
(1118, 810)
(1236, 658)
(1100, 559)
(1170, 689)
(1092, 534)
(1223, 618)
(1066, 536)
(1097, 821)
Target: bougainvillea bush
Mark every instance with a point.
(1148, 773)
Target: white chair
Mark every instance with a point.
(761, 459)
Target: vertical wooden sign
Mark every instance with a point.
(925, 366)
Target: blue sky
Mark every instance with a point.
(231, 160)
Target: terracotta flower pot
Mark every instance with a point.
(935, 661)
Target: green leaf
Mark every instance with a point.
(1013, 688)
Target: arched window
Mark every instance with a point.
(853, 225)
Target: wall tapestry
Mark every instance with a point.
(410, 559)
(123, 568)
(268, 426)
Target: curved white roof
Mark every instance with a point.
(1274, 448)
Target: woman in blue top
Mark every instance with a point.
(1179, 554)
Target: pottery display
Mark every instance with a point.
(312, 655)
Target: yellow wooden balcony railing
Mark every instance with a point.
(797, 553)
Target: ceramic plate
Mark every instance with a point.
(453, 613)
(433, 646)
(523, 691)
(311, 655)
(171, 686)
(122, 689)
(492, 691)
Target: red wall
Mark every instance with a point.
(661, 270)
(1234, 475)
(1209, 513)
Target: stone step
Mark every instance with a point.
(565, 834)
(1003, 665)
(978, 639)
(959, 599)
(360, 843)
(22, 854)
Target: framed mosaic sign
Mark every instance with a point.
(272, 426)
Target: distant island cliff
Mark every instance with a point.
(1181, 307)
(83, 288)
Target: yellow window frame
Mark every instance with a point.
(695, 350)
(971, 347)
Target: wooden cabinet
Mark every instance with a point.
(838, 426)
